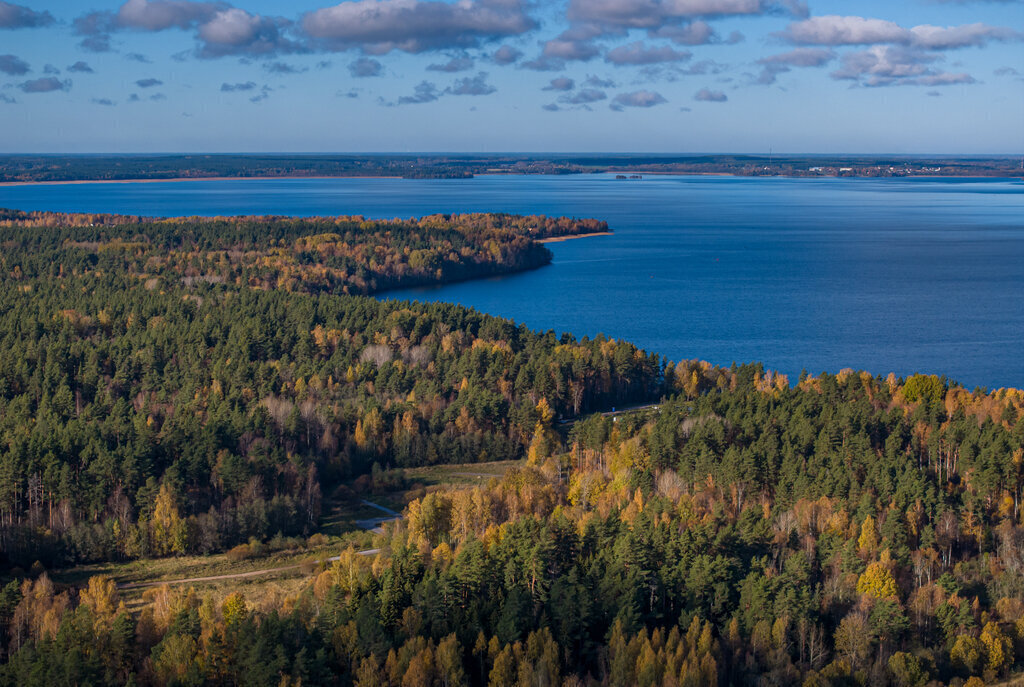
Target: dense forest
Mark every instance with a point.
(745, 529)
(149, 365)
(315, 254)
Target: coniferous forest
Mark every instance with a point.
(172, 388)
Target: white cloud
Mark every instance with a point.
(637, 99)
(379, 26)
(365, 67)
(886, 65)
(158, 15)
(506, 54)
(472, 85)
(773, 65)
(640, 53)
(837, 30)
(709, 96)
(459, 63)
(562, 83)
(20, 17)
(220, 28)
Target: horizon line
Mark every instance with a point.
(498, 153)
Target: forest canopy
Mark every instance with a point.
(313, 254)
(189, 386)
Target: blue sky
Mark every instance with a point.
(821, 76)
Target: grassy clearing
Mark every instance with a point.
(460, 475)
(345, 508)
(266, 592)
(281, 574)
(285, 570)
(294, 562)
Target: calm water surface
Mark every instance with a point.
(907, 276)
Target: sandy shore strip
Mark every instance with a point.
(559, 239)
(177, 179)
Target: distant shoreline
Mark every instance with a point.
(810, 176)
(559, 239)
(670, 173)
(70, 182)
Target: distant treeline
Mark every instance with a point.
(37, 168)
(41, 168)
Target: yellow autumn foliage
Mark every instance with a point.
(877, 582)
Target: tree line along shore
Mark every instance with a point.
(178, 167)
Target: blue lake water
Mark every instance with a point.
(900, 275)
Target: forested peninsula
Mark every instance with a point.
(182, 398)
(351, 255)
